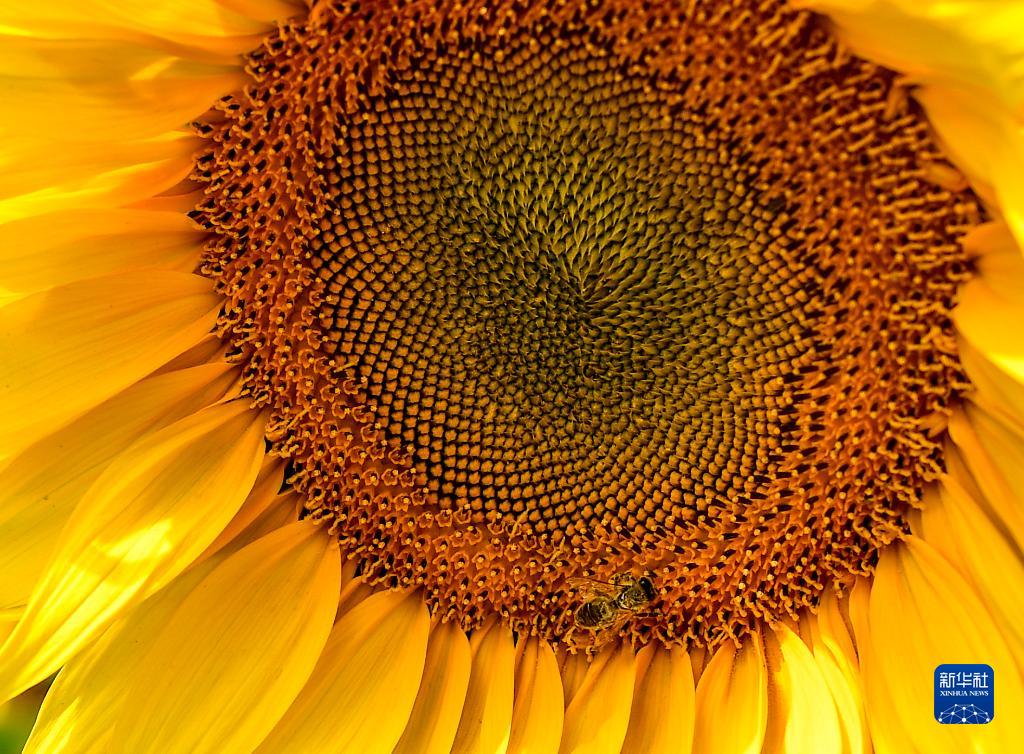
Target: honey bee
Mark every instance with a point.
(611, 603)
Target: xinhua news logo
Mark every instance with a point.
(965, 694)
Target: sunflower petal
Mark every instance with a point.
(734, 680)
(259, 622)
(40, 487)
(598, 716)
(171, 160)
(845, 691)
(986, 558)
(801, 713)
(353, 591)
(192, 22)
(573, 669)
(970, 42)
(989, 321)
(997, 258)
(61, 247)
(537, 713)
(267, 11)
(86, 698)
(486, 721)
(832, 630)
(995, 391)
(207, 350)
(994, 455)
(75, 92)
(265, 493)
(435, 715)
(146, 518)
(923, 613)
(887, 734)
(988, 317)
(29, 170)
(698, 660)
(69, 348)
(986, 142)
(362, 690)
(836, 655)
(662, 718)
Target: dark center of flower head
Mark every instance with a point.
(538, 291)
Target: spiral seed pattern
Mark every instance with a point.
(539, 291)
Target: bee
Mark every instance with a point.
(611, 603)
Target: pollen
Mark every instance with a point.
(537, 291)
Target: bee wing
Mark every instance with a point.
(590, 588)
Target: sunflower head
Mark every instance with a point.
(538, 293)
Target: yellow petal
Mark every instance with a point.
(265, 493)
(537, 713)
(734, 680)
(662, 718)
(353, 590)
(997, 258)
(267, 11)
(28, 167)
(191, 22)
(598, 716)
(6, 298)
(69, 348)
(887, 734)
(698, 659)
(146, 518)
(845, 690)
(85, 700)
(75, 92)
(991, 321)
(995, 391)
(486, 720)
(226, 665)
(985, 558)
(362, 690)
(573, 668)
(40, 487)
(832, 629)
(986, 142)
(971, 42)
(836, 656)
(922, 613)
(61, 247)
(177, 199)
(442, 693)
(170, 160)
(801, 713)
(988, 311)
(994, 454)
(208, 350)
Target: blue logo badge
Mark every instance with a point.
(965, 694)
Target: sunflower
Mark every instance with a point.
(511, 376)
